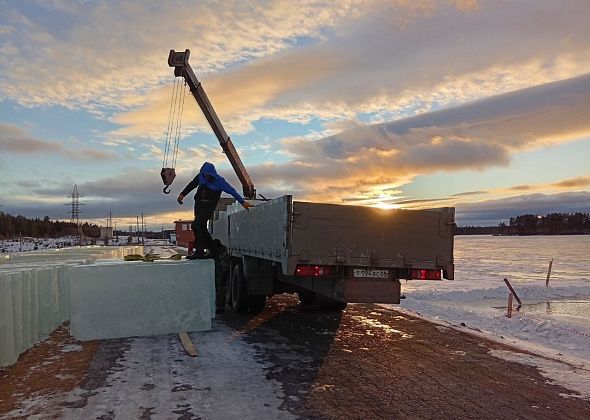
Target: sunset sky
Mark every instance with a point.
(481, 105)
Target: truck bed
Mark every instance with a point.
(331, 234)
(301, 233)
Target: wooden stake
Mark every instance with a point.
(549, 273)
(187, 344)
(509, 313)
(514, 293)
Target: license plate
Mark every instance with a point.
(373, 274)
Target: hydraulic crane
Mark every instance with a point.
(179, 60)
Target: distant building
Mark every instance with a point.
(184, 234)
(106, 233)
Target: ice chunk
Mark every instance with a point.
(33, 302)
(125, 299)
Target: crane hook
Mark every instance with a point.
(168, 175)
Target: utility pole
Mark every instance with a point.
(75, 211)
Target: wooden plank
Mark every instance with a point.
(187, 344)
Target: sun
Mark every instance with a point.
(386, 206)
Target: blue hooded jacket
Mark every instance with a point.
(208, 177)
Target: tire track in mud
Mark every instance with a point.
(373, 362)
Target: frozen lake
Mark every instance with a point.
(522, 258)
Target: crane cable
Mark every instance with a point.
(167, 145)
(173, 131)
(179, 126)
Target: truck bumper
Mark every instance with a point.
(350, 289)
(371, 291)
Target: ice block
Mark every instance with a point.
(33, 302)
(126, 299)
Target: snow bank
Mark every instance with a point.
(485, 310)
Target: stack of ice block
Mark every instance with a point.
(125, 299)
(35, 293)
(32, 304)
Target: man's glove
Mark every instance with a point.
(247, 205)
(180, 198)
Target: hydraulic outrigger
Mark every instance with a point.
(179, 60)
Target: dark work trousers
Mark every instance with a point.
(203, 212)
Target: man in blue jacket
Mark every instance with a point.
(209, 186)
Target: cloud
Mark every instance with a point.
(15, 140)
(491, 212)
(335, 64)
(570, 184)
(133, 192)
(101, 55)
(468, 193)
(126, 194)
(317, 59)
(578, 182)
(383, 63)
(476, 135)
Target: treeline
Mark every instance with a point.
(531, 224)
(15, 226)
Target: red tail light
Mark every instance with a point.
(313, 270)
(426, 274)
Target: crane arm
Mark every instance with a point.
(179, 60)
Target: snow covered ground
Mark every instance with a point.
(554, 321)
(26, 244)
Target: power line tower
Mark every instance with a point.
(75, 211)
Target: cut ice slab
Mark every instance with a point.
(124, 299)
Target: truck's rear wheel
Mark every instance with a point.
(239, 294)
(256, 304)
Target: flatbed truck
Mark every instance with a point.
(327, 253)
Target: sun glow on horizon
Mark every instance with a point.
(385, 206)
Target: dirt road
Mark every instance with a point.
(368, 362)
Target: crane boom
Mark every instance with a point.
(179, 60)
